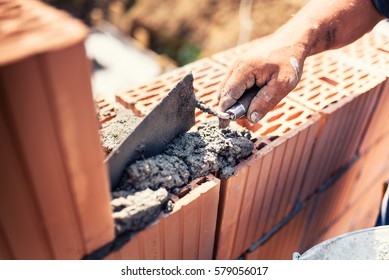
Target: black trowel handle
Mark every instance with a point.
(239, 109)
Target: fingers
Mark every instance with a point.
(234, 85)
(266, 99)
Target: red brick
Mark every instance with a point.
(364, 179)
(253, 201)
(5, 251)
(379, 125)
(76, 126)
(283, 243)
(186, 233)
(32, 27)
(359, 215)
(345, 95)
(371, 51)
(57, 198)
(20, 216)
(105, 110)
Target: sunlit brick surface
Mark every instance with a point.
(207, 78)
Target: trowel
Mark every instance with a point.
(175, 114)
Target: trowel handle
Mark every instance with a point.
(239, 109)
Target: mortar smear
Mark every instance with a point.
(190, 156)
(116, 130)
(134, 211)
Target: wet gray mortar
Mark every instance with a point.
(147, 185)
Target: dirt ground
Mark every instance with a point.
(210, 25)
(186, 30)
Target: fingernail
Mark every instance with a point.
(255, 117)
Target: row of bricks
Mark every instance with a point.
(349, 204)
(352, 202)
(337, 101)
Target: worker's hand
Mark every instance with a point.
(274, 67)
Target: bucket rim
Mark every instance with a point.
(327, 242)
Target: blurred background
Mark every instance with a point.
(133, 41)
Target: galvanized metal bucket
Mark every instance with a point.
(365, 244)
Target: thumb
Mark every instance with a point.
(266, 99)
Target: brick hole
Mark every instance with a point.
(207, 98)
(131, 91)
(316, 87)
(294, 116)
(175, 81)
(333, 102)
(348, 77)
(201, 76)
(148, 97)
(272, 129)
(273, 138)
(217, 76)
(349, 85)
(261, 146)
(329, 81)
(155, 87)
(316, 72)
(202, 95)
(383, 50)
(314, 96)
(212, 84)
(331, 95)
(280, 105)
(287, 129)
(253, 127)
(276, 117)
(205, 69)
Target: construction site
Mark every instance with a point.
(80, 86)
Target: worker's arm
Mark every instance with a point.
(277, 64)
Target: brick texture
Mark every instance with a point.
(207, 78)
(284, 242)
(346, 96)
(266, 185)
(55, 192)
(186, 233)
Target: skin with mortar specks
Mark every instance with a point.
(276, 66)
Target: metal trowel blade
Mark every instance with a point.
(175, 114)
